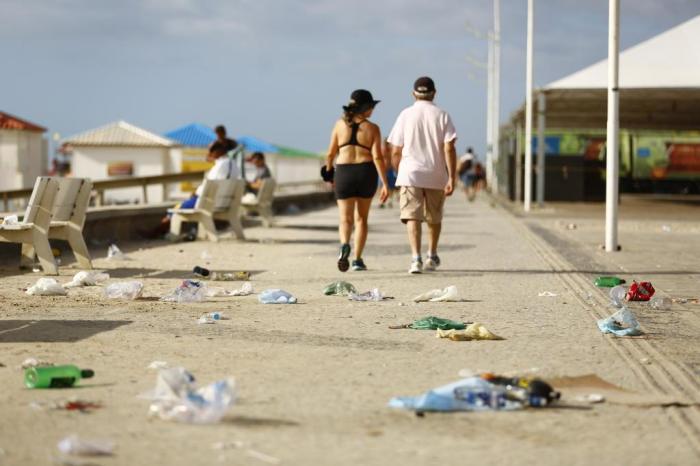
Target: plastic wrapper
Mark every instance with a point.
(434, 323)
(449, 294)
(116, 254)
(660, 303)
(176, 398)
(371, 295)
(189, 291)
(46, 287)
(475, 331)
(623, 323)
(276, 296)
(87, 278)
(74, 445)
(124, 290)
(340, 289)
(245, 290)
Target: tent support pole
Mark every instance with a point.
(518, 162)
(528, 110)
(612, 144)
(541, 106)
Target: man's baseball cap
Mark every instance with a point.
(424, 86)
(360, 100)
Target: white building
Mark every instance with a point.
(119, 150)
(23, 152)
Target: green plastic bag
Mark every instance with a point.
(339, 289)
(434, 323)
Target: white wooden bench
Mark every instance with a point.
(262, 204)
(33, 231)
(220, 199)
(68, 216)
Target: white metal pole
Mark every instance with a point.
(518, 161)
(489, 116)
(541, 105)
(612, 143)
(496, 152)
(527, 195)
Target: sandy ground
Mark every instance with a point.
(314, 378)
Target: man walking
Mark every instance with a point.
(423, 140)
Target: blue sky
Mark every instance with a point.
(280, 70)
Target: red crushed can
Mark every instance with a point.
(642, 291)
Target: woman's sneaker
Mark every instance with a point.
(358, 265)
(432, 263)
(416, 266)
(343, 262)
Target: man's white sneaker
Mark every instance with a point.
(416, 267)
(431, 263)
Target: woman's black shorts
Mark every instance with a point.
(355, 180)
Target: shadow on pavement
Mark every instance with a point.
(248, 421)
(132, 272)
(54, 331)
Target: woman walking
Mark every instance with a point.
(356, 148)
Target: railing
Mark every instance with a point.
(99, 187)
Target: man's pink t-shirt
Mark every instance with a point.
(422, 130)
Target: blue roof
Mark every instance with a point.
(253, 144)
(193, 135)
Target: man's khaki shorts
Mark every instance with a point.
(422, 204)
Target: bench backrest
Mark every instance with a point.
(72, 199)
(267, 191)
(228, 195)
(41, 202)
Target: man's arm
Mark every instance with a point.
(396, 152)
(451, 161)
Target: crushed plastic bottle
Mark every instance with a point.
(74, 445)
(189, 291)
(116, 254)
(660, 303)
(46, 287)
(608, 282)
(623, 323)
(124, 290)
(339, 289)
(177, 398)
(212, 318)
(87, 278)
(617, 295)
(276, 296)
(447, 294)
(371, 295)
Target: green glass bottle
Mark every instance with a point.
(608, 282)
(55, 376)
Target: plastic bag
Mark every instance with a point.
(371, 295)
(245, 290)
(276, 296)
(124, 290)
(189, 291)
(10, 220)
(176, 398)
(475, 331)
(74, 445)
(617, 295)
(448, 294)
(87, 278)
(46, 287)
(340, 289)
(623, 323)
(114, 253)
(434, 323)
(642, 291)
(660, 303)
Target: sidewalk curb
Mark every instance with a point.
(663, 376)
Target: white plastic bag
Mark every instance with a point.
(371, 295)
(124, 290)
(74, 445)
(46, 287)
(114, 253)
(439, 295)
(176, 398)
(87, 278)
(245, 290)
(10, 220)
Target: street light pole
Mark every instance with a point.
(612, 143)
(496, 93)
(527, 195)
(489, 115)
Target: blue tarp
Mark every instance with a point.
(193, 135)
(253, 144)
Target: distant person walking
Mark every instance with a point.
(423, 141)
(465, 169)
(356, 148)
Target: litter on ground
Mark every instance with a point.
(340, 289)
(189, 291)
(124, 290)
(448, 294)
(623, 323)
(74, 445)
(475, 331)
(87, 278)
(372, 295)
(46, 287)
(276, 296)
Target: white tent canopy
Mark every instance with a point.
(669, 60)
